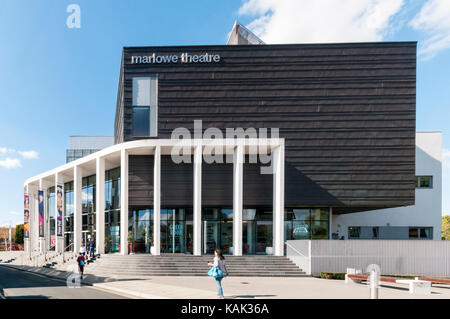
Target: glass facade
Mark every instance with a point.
(256, 231)
(176, 230)
(74, 154)
(304, 223)
(177, 223)
(68, 216)
(140, 230)
(112, 210)
(88, 209)
(51, 219)
(217, 230)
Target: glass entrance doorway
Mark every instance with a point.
(140, 227)
(68, 241)
(176, 230)
(86, 237)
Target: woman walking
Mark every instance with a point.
(81, 262)
(218, 270)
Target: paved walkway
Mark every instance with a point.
(257, 288)
(174, 287)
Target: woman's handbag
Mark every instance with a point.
(216, 272)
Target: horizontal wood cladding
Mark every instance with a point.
(177, 183)
(140, 180)
(347, 112)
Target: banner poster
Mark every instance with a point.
(59, 208)
(41, 213)
(26, 216)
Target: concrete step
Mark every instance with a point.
(119, 265)
(138, 270)
(189, 265)
(254, 274)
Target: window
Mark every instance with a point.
(307, 223)
(145, 106)
(421, 233)
(375, 231)
(141, 123)
(354, 232)
(424, 181)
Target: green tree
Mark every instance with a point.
(446, 227)
(18, 236)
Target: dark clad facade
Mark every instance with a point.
(346, 111)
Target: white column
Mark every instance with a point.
(157, 200)
(100, 205)
(197, 200)
(34, 234)
(77, 207)
(42, 240)
(123, 202)
(59, 240)
(330, 224)
(278, 199)
(238, 167)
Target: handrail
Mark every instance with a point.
(287, 244)
(65, 248)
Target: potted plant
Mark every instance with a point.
(130, 241)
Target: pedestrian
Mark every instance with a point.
(91, 247)
(81, 262)
(218, 270)
(83, 250)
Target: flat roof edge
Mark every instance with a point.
(399, 43)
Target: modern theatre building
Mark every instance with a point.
(237, 147)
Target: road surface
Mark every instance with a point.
(17, 284)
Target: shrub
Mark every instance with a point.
(333, 275)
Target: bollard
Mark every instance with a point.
(374, 271)
(374, 279)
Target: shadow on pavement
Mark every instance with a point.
(28, 297)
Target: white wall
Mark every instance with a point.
(400, 257)
(426, 212)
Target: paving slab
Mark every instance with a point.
(261, 288)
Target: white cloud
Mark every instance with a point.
(434, 20)
(29, 154)
(306, 21)
(13, 213)
(4, 150)
(10, 163)
(25, 154)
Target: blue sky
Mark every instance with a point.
(56, 81)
